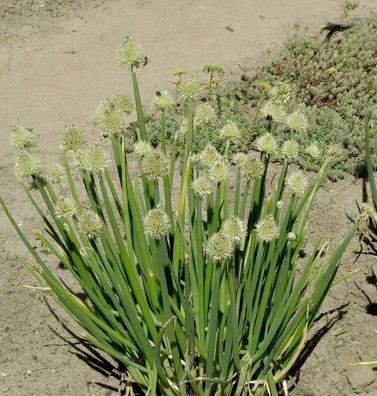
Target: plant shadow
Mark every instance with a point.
(83, 350)
(339, 312)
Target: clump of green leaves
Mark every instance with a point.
(201, 295)
(334, 80)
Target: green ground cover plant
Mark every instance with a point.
(318, 89)
(191, 266)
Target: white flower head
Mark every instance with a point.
(220, 246)
(205, 115)
(142, 148)
(189, 90)
(313, 151)
(156, 223)
(267, 144)
(275, 111)
(65, 207)
(297, 183)
(235, 228)
(290, 149)
(28, 165)
(202, 186)
(297, 122)
(219, 171)
(230, 131)
(155, 165)
(90, 224)
(130, 53)
(163, 101)
(267, 230)
(21, 138)
(54, 173)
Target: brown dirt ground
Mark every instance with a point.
(56, 64)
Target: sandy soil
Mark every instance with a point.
(56, 64)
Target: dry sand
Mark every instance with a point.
(57, 63)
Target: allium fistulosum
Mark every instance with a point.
(201, 294)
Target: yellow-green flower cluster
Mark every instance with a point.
(163, 101)
(251, 168)
(142, 148)
(219, 171)
(130, 53)
(267, 229)
(235, 228)
(189, 90)
(73, 139)
(154, 165)
(65, 207)
(290, 149)
(28, 165)
(111, 114)
(93, 159)
(90, 224)
(267, 144)
(205, 115)
(297, 122)
(230, 132)
(220, 246)
(156, 223)
(313, 151)
(208, 156)
(202, 186)
(275, 111)
(297, 183)
(21, 138)
(54, 173)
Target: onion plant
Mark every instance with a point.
(191, 267)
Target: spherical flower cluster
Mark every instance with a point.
(90, 224)
(267, 230)
(202, 186)
(130, 53)
(163, 101)
(205, 115)
(155, 165)
(235, 228)
(21, 138)
(54, 173)
(335, 152)
(93, 159)
(267, 144)
(220, 247)
(252, 168)
(291, 236)
(297, 122)
(209, 156)
(275, 111)
(297, 183)
(65, 207)
(313, 151)
(182, 131)
(290, 149)
(142, 148)
(230, 131)
(281, 92)
(189, 90)
(73, 139)
(219, 171)
(240, 159)
(156, 223)
(27, 165)
(111, 114)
